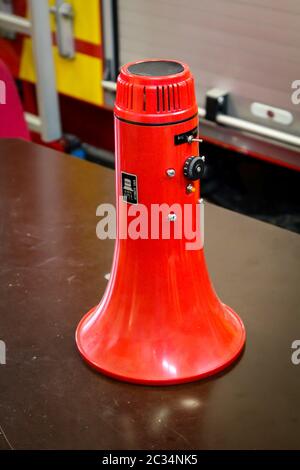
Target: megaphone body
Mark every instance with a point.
(160, 320)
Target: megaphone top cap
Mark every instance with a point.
(156, 68)
(155, 92)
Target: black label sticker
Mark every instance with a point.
(129, 188)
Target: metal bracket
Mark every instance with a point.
(185, 137)
(64, 17)
(216, 102)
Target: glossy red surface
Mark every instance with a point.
(160, 320)
(155, 99)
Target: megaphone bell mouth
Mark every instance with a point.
(160, 321)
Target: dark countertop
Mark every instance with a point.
(52, 270)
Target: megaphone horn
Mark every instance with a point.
(160, 320)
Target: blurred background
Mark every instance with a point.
(61, 59)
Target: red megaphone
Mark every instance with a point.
(160, 320)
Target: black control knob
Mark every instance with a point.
(194, 168)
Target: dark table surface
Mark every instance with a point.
(52, 269)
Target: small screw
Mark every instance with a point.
(172, 217)
(171, 172)
(190, 188)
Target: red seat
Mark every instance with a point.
(12, 122)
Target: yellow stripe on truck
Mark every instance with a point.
(79, 78)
